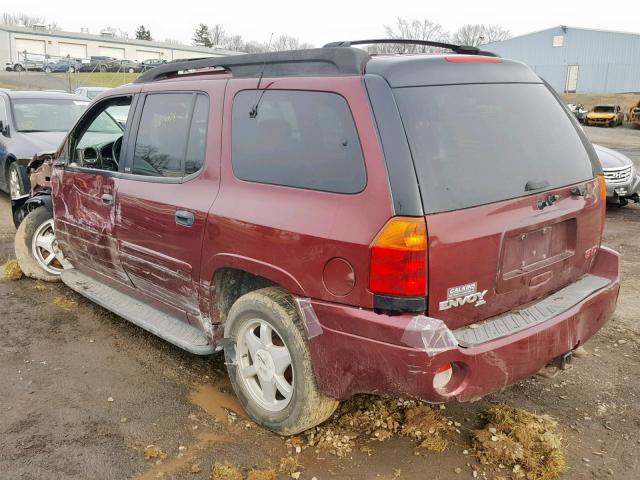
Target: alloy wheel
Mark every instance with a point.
(264, 364)
(45, 248)
(15, 191)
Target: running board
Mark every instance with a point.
(534, 314)
(159, 323)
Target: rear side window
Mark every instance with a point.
(482, 143)
(171, 140)
(297, 139)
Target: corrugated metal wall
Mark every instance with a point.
(609, 62)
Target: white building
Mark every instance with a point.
(39, 43)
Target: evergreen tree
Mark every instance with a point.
(143, 33)
(202, 36)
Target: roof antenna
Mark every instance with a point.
(253, 113)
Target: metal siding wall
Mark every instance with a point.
(609, 61)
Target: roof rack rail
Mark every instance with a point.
(462, 49)
(314, 61)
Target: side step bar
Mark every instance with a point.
(165, 326)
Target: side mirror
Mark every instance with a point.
(4, 129)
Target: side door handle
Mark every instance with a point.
(107, 199)
(184, 218)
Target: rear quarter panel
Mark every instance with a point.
(289, 234)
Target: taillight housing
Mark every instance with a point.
(399, 258)
(603, 197)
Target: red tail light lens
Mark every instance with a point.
(603, 195)
(399, 258)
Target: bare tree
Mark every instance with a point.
(411, 30)
(115, 32)
(218, 35)
(475, 35)
(26, 20)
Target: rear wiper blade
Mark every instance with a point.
(532, 185)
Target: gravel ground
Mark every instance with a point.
(84, 393)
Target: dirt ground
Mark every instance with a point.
(84, 393)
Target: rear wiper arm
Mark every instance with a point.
(532, 185)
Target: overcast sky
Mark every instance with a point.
(322, 21)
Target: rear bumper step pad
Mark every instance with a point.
(151, 319)
(536, 313)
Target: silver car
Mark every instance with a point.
(620, 174)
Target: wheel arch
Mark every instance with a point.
(236, 275)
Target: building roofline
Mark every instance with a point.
(560, 27)
(121, 41)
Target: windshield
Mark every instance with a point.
(93, 93)
(47, 114)
(482, 143)
(603, 109)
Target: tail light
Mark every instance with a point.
(603, 197)
(399, 258)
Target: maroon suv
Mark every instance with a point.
(424, 225)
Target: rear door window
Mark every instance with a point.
(481, 143)
(297, 139)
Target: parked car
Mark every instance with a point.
(621, 176)
(634, 115)
(97, 64)
(63, 65)
(605, 116)
(152, 63)
(332, 222)
(128, 66)
(90, 92)
(31, 123)
(27, 61)
(578, 111)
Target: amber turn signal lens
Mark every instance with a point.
(399, 258)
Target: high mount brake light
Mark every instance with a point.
(399, 258)
(472, 59)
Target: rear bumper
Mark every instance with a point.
(359, 351)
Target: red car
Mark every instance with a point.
(338, 223)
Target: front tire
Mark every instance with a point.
(36, 249)
(272, 375)
(47, 70)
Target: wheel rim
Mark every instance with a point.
(264, 365)
(45, 248)
(14, 184)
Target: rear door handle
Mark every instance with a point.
(184, 218)
(107, 199)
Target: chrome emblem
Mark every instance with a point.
(463, 295)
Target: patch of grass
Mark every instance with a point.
(65, 303)
(100, 79)
(226, 471)
(11, 270)
(527, 443)
(262, 475)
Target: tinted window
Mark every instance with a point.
(162, 135)
(482, 143)
(297, 139)
(197, 144)
(171, 139)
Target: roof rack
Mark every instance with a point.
(314, 61)
(462, 49)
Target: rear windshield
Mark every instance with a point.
(482, 143)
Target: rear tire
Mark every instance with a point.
(304, 406)
(18, 68)
(33, 245)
